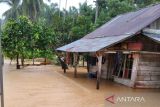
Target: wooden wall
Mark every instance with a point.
(107, 67)
(145, 72)
(148, 71)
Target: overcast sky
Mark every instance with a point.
(4, 7)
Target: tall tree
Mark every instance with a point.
(0, 25)
(65, 10)
(45, 40)
(107, 9)
(50, 13)
(14, 10)
(32, 8)
(83, 22)
(15, 39)
(0, 29)
(59, 8)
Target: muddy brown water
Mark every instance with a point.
(47, 86)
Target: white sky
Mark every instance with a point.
(71, 2)
(4, 7)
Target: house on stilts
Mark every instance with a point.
(127, 49)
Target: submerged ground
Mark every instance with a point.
(47, 86)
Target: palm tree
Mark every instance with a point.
(59, 8)
(14, 11)
(50, 12)
(32, 8)
(0, 29)
(96, 15)
(65, 11)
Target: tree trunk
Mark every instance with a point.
(10, 61)
(65, 11)
(96, 15)
(33, 60)
(22, 61)
(59, 8)
(45, 60)
(32, 57)
(18, 66)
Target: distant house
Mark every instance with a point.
(127, 48)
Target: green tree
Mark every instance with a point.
(0, 26)
(112, 8)
(45, 41)
(81, 28)
(15, 38)
(143, 3)
(50, 14)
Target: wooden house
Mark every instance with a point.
(127, 49)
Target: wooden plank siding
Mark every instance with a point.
(148, 73)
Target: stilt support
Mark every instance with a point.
(99, 56)
(75, 64)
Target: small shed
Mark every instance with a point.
(127, 49)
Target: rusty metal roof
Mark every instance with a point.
(92, 45)
(114, 31)
(128, 23)
(155, 37)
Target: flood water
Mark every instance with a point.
(47, 86)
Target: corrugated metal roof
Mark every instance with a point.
(155, 37)
(129, 23)
(114, 31)
(92, 45)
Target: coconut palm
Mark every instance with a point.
(59, 8)
(65, 11)
(14, 11)
(32, 8)
(0, 26)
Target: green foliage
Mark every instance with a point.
(143, 3)
(50, 28)
(45, 41)
(32, 8)
(112, 8)
(15, 36)
(22, 37)
(81, 28)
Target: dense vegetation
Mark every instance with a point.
(34, 29)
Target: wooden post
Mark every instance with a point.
(87, 63)
(75, 64)
(18, 66)
(135, 69)
(1, 75)
(99, 56)
(83, 61)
